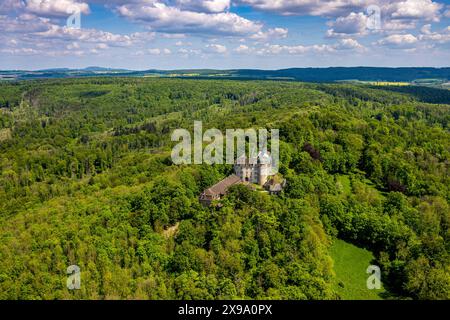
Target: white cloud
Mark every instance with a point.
(161, 17)
(349, 44)
(102, 46)
(394, 16)
(426, 29)
(270, 34)
(308, 7)
(187, 52)
(23, 24)
(157, 51)
(72, 46)
(415, 9)
(172, 35)
(154, 51)
(58, 8)
(204, 5)
(351, 16)
(398, 41)
(12, 42)
(398, 25)
(21, 51)
(32, 32)
(243, 49)
(182, 43)
(425, 40)
(434, 37)
(398, 9)
(343, 44)
(93, 36)
(276, 49)
(216, 48)
(37, 27)
(354, 23)
(7, 6)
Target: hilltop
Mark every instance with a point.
(331, 74)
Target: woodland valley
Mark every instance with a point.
(86, 179)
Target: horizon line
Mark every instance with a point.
(227, 69)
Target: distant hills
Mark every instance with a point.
(333, 74)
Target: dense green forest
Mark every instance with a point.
(86, 178)
(331, 74)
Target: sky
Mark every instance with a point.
(223, 34)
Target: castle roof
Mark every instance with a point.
(221, 188)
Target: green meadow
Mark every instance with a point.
(350, 265)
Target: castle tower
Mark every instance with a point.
(256, 170)
(264, 167)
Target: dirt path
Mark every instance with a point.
(170, 232)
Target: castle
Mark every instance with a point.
(256, 170)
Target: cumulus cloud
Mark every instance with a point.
(172, 35)
(57, 8)
(216, 48)
(93, 36)
(187, 52)
(102, 46)
(182, 43)
(157, 51)
(23, 24)
(354, 23)
(204, 5)
(351, 17)
(47, 38)
(73, 46)
(398, 41)
(309, 7)
(243, 49)
(399, 9)
(276, 49)
(393, 16)
(426, 39)
(396, 25)
(20, 51)
(7, 6)
(415, 9)
(29, 51)
(426, 29)
(161, 17)
(349, 44)
(37, 27)
(434, 37)
(270, 34)
(342, 44)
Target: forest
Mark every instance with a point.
(86, 179)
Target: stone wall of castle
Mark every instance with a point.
(253, 173)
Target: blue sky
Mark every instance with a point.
(223, 34)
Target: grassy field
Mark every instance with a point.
(388, 83)
(350, 265)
